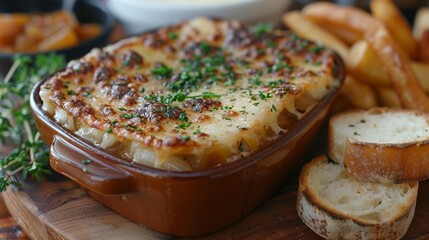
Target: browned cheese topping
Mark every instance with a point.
(191, 96)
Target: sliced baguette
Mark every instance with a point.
(336, 206)
(383, 145)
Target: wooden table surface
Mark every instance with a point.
(275, 219)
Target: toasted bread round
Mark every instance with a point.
(381, 145)
(336, 206)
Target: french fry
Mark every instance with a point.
(395, 63)
(359, 94)
(398, 68)
(387, 97)
(350, 20)
(396, 24)
(298, 23)
(422, 72)
(424, 46)
(364, 65)
(348, 37)
(421, 22)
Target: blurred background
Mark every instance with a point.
(140, 15)
(408, 7)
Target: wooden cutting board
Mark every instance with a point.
(59, 209)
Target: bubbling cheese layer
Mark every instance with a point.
(191, 96)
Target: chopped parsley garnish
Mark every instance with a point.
(240, 146)
(316, 49)
(273, 108)
(127, 115)
(87, 93)
(304, 43)
(71, 92)
(356, 134)
(208, 95)
(279, 66)
(109, 130)
(271, 44)
(261, 29)
(183, 125)
(197, 131)
(205, 48)
(86, 161)
(179, 97)
(170, 98)
(131, 127)
(263, 96)
(294, 37)
(274, 84)
(173, 36)
(317, 63)
(255, 81)
(185, 137)
(162, 71)
(183, 117)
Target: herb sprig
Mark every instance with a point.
(17, 127)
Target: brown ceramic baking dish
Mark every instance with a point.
(181, 203)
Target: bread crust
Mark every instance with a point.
(331, 223)
(380, 162)
(384, 163)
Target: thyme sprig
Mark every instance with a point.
(17, 127)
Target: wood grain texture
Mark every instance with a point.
(62, 210)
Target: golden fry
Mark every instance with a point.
(398, 68)
(421, 22)
(422, 72)
(424, 47)
(396, 24)
(298, 23)
(394, 61)
(387, 97)
(359, 94)
(350, 20)
(364, 65)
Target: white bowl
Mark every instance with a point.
(140, 15)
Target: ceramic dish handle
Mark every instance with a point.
(88, 170)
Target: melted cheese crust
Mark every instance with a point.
(191, 96)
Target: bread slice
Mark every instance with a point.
(382, 145)
(336, 206)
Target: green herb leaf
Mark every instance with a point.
(261, 28)
(86, 161)
(31, 156)
(173, 36)
(162, 71)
